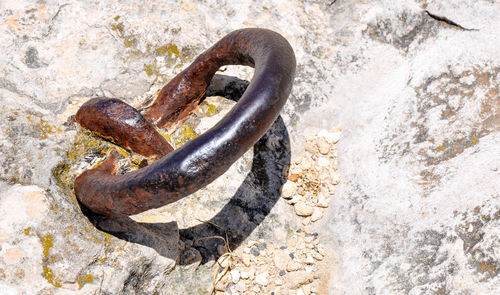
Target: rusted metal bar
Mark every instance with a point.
(122, 124)
(206, 157)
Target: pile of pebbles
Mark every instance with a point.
(313, 176)
(294, 268)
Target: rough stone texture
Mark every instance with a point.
(416, 212)
(417, 209)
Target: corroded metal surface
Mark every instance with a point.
(202, 160)
(117, 121)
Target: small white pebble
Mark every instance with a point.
(261, 279)
(293, 266)
(235, 276)
(331, 137)
(336, 137)
(323, 200)
(251, 273)
(318, 256)
(321, 250)
(323, 162)
(317, 214)
(302, 209)
(305, 164)
(295, 199)
(244, 275)
(309, 259)
(278, 282)
(246, 259)
(311, 146)
(288, 189)
(299, 159)
(306, 289)
(240, 286)
(336, 178)
(323, 145)
(308, 239)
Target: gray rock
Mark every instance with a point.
(405, 217)
(413, 85)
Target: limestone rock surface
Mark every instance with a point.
(411, 201)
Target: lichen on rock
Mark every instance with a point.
(404, 199)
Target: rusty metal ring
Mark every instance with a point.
(200, 161)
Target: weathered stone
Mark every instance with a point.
(240, 286)
(295, 199)
(261, 278)
(306, 221)
(289, 190)
(302, 209)
(251, 274)
(323, 145)
(323, 200)
(293, 266)
(317, 214)
(281, 259)
(309, 259)
(336, 178)
(308, 239)
(246, 260)
(332, 136)
(235, 276)
(321, 250)
(318, 256)
(417, 164)
(311, 147)
(418, 145)
(306, 164)
(306, 289)
(295, 279)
